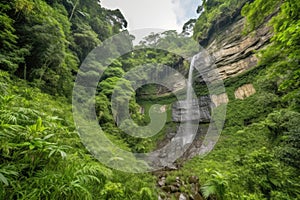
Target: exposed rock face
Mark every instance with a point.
(200, 108)
(219, 99)
(173, 146)
(234, 51)
(244, 91)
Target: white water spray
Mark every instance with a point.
(188, 138)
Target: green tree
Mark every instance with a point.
(10, 55)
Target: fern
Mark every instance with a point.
(215, 186)
(6, 173)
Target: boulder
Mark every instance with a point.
(182, 197)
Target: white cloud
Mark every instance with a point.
(154, 14)
(146, 13)
(185, 10)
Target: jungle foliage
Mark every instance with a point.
(45, 41)
(42, 156)
(215, 14)
(257, 154)
(42, 44)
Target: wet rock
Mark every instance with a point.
(174, 188)
(170, 167)
(193, 179)
(197, 196)
(170, 135)
(162, 181)
(167, 189)
(200, 110)
(163, 155)
(182, 197)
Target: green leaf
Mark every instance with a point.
(3, 179)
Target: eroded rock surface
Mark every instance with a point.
(219, 99)
(234, 52)
(200, 110)
(244, 91)
(174, 145)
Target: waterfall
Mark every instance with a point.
(188, 138)
(189, 95)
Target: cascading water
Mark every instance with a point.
(189, 87)
(189, 111)
(188, 138)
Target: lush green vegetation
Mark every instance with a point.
(257, 156)
(42, 156)
(215, 14)
(282, 57)
(44, 41)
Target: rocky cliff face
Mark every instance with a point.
(200, 107)
(234, 51)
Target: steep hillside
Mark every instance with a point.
(257, 55)
(44, 41)
(42, 44)
(42, 156)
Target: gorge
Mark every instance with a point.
(231, 108)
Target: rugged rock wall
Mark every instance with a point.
(200, 110)
(234, 51)
(244, 91)
(219, 99)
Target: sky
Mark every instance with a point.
(155, 14)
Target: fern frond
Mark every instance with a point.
(208, 190)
